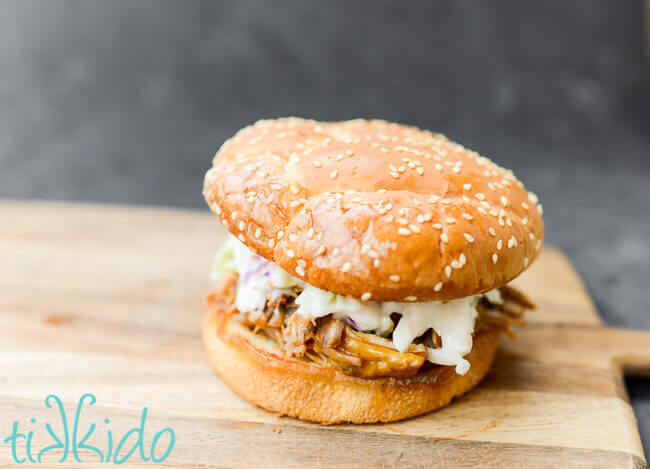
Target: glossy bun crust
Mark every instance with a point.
(374, 210)
(252, 367)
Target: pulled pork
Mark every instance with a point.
(331, 342)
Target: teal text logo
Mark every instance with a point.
(27, 441)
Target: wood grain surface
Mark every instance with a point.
(109, 301)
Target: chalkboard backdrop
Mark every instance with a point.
(126, 102)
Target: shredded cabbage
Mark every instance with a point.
(363, 315)
(258, 279)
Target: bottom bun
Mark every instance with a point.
(253, 366)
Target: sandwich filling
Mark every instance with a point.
(363, 338)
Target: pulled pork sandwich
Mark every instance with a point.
(365, 278)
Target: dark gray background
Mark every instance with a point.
(126, 102)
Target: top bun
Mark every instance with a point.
(374, 210)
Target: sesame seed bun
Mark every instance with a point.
(374, 210)
(255, 368)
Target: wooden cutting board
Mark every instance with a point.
(109, 301)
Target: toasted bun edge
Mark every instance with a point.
(252, 366)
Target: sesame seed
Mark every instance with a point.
(525, 262)
(419, 170)
(336, 251)
(456, 264)
(437, 226)
(394, 278)
(411, 298)
(525, 205)
(468, 237)
(504, 200)
(318, 164)
(450, 220)
(347, 266)
(448, 271)
(462, 259)
(495, 258)
(340, 157)
(373, 254)
(271, 243)
(404, 231)
(293, 189)
(258, 233)
(491, 231)
(321, 250)
(444, 238)
(334, 173)
(280, 234)
(241, 238)
(480, 196)
(438, 166)
(499, 244)
(293, 238)
(241, 226)
(376, 263)
(294, 203)
(233, 215)
(511, 243)
(366, 296)
(300, 271)
(420, 219)
(438, 286)
(467, 216)
(394, 175)
(531, 236)
(467, 186)
(415, 228)
(538, 244)
(524, 221)
(427, 217)
(310, 233)
(290, 253)
(302, 263)
(402, 221)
